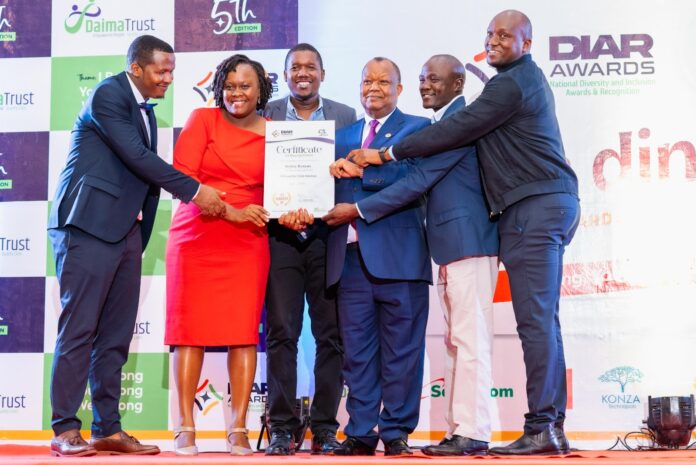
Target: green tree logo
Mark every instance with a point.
(622, 375)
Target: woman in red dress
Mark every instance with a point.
(217, 267)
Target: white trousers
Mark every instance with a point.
(466, 290)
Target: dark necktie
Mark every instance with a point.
(149, 111)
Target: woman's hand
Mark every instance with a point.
(297, 220)
(254, 214)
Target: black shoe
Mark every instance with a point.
(544, 443)
(562, 439)
(397, 448)
(457, 445)
(324, 442)
(353, 446)
(282, 443)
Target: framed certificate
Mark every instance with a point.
(296, 171)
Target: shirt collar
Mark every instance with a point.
(381, 120)
(136, 93)
(293, 111)
(437, 116)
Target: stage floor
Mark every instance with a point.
(38, 455)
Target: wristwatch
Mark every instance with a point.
(383, 154)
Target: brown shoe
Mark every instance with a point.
(122, 443)
(71, 444)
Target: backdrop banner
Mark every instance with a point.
(625, 103)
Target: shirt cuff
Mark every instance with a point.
(359, 212)
(197, 191)
(391, 153)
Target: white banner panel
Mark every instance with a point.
(25, 94)
(21, 391)
(81, 28)
(23, 239)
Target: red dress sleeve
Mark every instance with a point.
(192, 143)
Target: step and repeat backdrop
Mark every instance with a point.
(625, 86)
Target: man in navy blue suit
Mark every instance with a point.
(533, 192)
(464, 242)
(383, 270)
(100, 223)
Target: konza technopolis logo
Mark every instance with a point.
(623, 376)
(89, 18)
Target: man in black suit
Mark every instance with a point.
(298, 270)
(100, 223)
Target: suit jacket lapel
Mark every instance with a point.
(329, 110)
(456, 105)
(153, 129)
(122, 79)
(391, 127)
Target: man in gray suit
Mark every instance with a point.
(298, 269)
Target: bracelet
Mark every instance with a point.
(382, 154)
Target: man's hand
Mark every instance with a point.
(342, 213)
(297, 220)
(364, 157)
(343, 168)
(209, 201)
(254, 214)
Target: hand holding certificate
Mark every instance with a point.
(296, 173)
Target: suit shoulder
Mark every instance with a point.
(110, 90)
(418, 121)
(348, 128)
(274, 106)
(340, 107)
(277, 103)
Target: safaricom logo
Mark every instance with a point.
(436, 388)
(4, 330)
(90, 18)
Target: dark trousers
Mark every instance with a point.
(383, 327)
(99, 292)
(533, 235)
(298, 269)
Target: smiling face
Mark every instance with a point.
(303, 74)
(380, 88)
(154, 78)
(241, 91)
(508, 38)
(440, 82)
